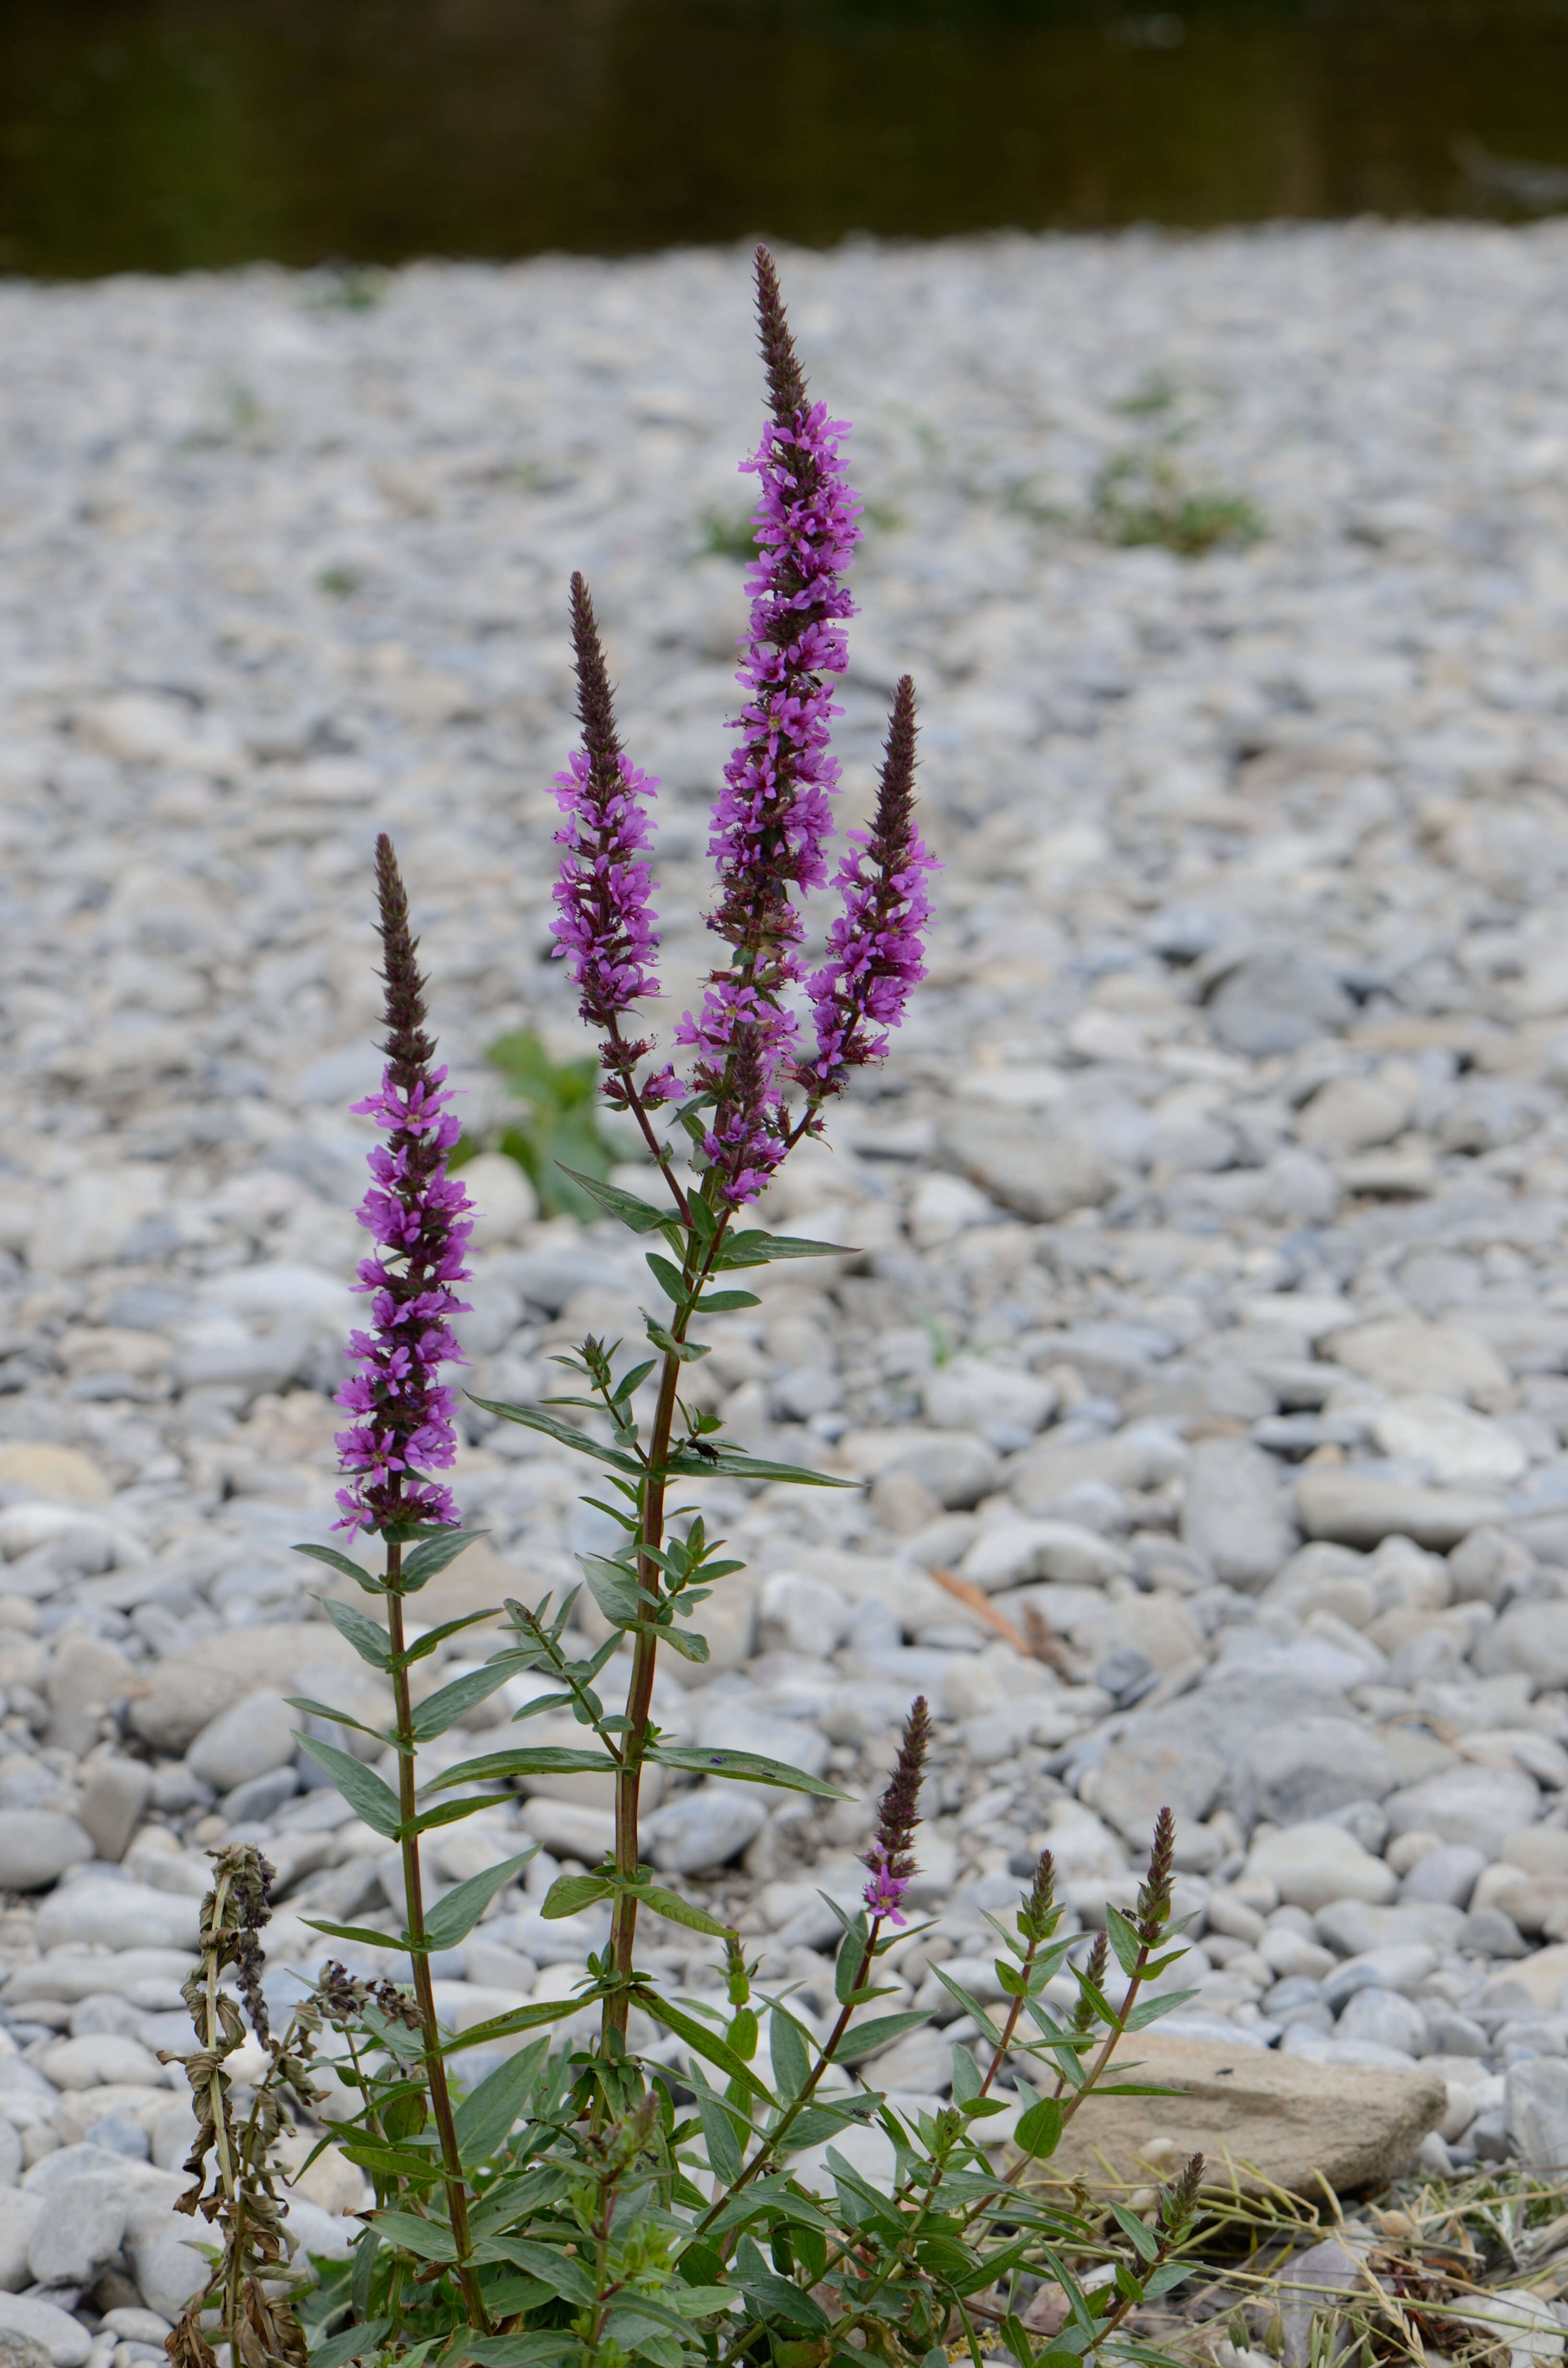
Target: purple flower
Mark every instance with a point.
(418, 1215)
(890, 1857)
(875, 947)
(772, 818)
(606, 924)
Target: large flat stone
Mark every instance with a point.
(1359, 1508)
(1271, 2119)
(191, 1689)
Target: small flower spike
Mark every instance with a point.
(890, 1857)
(1154, 1910)
(419, 1216)
(605, 923)
(875, 948)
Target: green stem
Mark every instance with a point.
(414, 1892)
(645, 1654)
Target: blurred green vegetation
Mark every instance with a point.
(557, 1127)
(172, 134)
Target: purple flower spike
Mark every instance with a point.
(606, 924)
(419, 1215)
(875, 947)
(890, 1857)
(772, 818)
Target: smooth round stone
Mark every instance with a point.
(37, 1845)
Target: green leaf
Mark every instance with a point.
(1039, 2129)
(368, 1636)
(615, 1591)
(570, 1894)
(434, 1555)
(742, 1767)
(434, 1637)
(360, 1787)
(354, 2341)
(484, 2118)
(789, 2049)
(1148, 2010)
(520, 2017)
(395, 2162)
(449, 1813)
(539, 2347)
(755, 1248)
(967, 2082)
(453, 1918)
(677, 1910)
(335, 1561)
(851, 1954)
(705, 2043)
(428, 2239)
(365, 1934)
(338, 1717)
(562, 2271)
(862, 2038)
(685, 1641)
(536, 1759)
(969, 2005)
(1145, 2244)
(730, 1461)
(696, 2302)
(1124, 1939)
(638, 1215)
(1168, 2274)
(670, 1280)
(724, 1302)
(719, 2135)
(685, 1352)
(536, 1418)
(438, 1711)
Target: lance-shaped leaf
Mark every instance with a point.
(352, 2344)
(570, 1894)
(685, 1641)
(368, 1636)
(743, 1767)
(631, 1211)
(428, 2239)
(705, 2042)
(1039, 2129)
(434, 1638)
(538, 1760)
(365, 1934)
(730, 1461)
(372, 1583)
(438, 1711)
(615, 1591)
(361, 1786)
(434, 1554)
(677, 1910)
(520, 2017)
(755, 1247)
(865, 2038)
(453, 1918)
(484, 2118)
(536, 1418)
(314, 1709)
(449, 1813)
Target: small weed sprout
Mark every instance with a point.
(637, 2197)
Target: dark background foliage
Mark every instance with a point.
(168, 135)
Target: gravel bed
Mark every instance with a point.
(1201, 1336)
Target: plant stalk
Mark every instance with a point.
(413, 1892)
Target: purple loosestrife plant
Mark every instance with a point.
(609, 2203)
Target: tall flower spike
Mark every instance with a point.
(772, 818)
(875, 947)
(890, 1858)
(1153, 1907)
(605, 923)
(419, 1216)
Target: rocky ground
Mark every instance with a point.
(1203, 1337)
